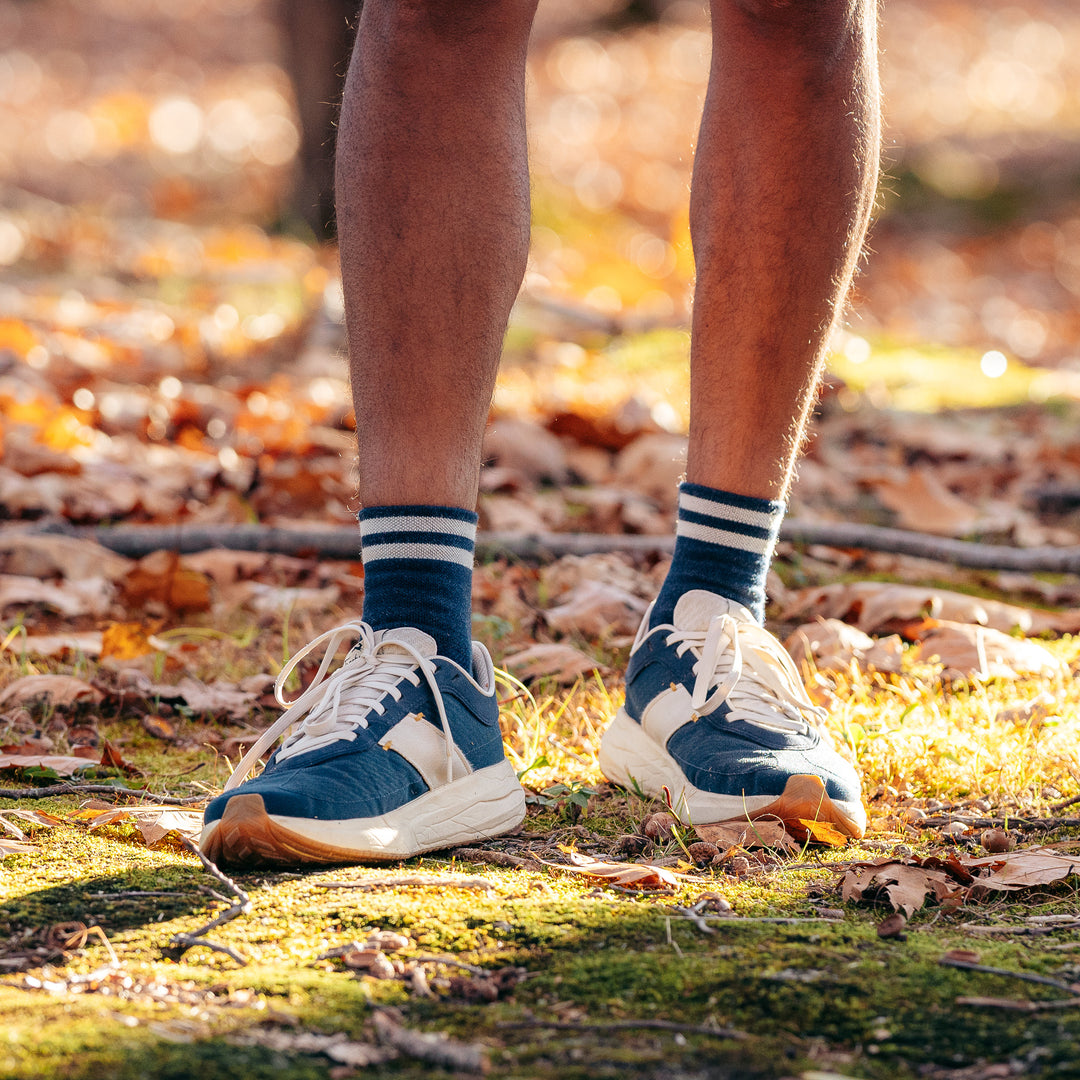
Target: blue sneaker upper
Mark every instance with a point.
(724, 698)
(340, 761)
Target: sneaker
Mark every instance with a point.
(717, 715)
(396, 752)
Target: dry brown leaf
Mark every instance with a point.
(526, 448)
(597, 609)
(873, 605)
(922, 502)
(625, 875)
(561, 662)
(44, 556)
(166, 578)
(56, 690)
(15, 847)
(979, 653)
(61, 764)
(87, 642)
(832, 645)
(905, 885)
(91, 596)
(765, 833)
(1026, 867)
(125, 641)
(154, 822)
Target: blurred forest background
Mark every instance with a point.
(160, 279)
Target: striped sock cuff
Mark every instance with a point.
(433, 533)
(729, 520)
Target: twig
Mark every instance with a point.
(1065, 803)
(435, 1049)
(626, 1025)
(448, 961)
(133, 894)
(423, 880)
(737, 920)
(183, 942)
(495, 858)
(1025, 976)
(54, 790)
(1000, 822)
(1020, 1006)
(342, 543)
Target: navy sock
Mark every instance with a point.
(723, 544)
(418, 564)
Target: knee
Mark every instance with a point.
(812, 27)
(453, 20)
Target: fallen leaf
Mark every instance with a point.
(62, 765)
(55, 690)
(165, 577)
(624, 875)
(597, 609)
(125, 641)
(833, 645)
(154, 822)
(905, 885)
(561, 662)
(44, 556)
(90, 596)
(980, 653)
(159, 727)
(86, 643)
(766, 833)
(873, 605)
(15, 847)
(1026, 867)
(922, 502)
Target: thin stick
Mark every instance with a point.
(625, 1025)
(1025, 976)
(1065, 803)
(341, 543)
(192, 940)
(1019, 1006)
(95, 789)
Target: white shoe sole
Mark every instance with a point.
(630, 758)
(483, 804)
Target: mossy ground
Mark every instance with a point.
(811, 997)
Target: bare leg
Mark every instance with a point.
(784, 181)
(433, 220)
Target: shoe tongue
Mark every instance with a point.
(697, 608)
(423, 643)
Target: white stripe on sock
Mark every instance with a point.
(439, 552)
(715, 508)
(417, 523)
(706, 533)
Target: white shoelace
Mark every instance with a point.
(332, 708)
(741, 663)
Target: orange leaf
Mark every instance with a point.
(824, 832)
(125, 641)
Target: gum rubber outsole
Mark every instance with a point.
(483, 804)
(634, 760)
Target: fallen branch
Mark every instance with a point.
(182, 942)
(432, 1048)
(53, 790)
(625, 1025)
(496, 858)
(1019, 1006)
(426, 881)
(999, 822)
(343, 542)
(1024, 976)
